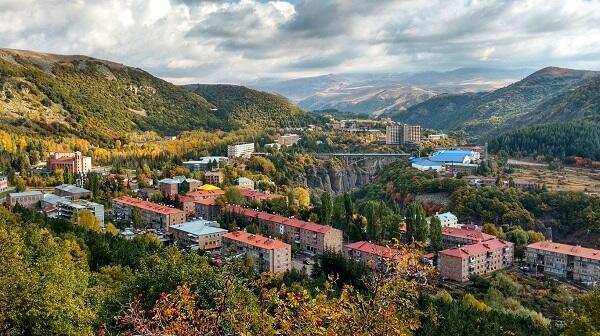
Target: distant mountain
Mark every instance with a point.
(384, 93)
(537, 98)
(101, 100)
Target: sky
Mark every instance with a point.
(211, 41)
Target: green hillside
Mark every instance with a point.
(239, 106)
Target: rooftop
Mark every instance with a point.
(457, 156)
(53, 199)
(138, 203)
(25, 193)
(447, 216)
(206, 160)
(79, 203)
(425, 162)
(71, 189)
(243, 180)
(206, 201)
(310, 226)
(256, 240)
(205, 193)
(571, 250)
(476, 249)
(208, 187)
(467, 234)
(199, 227)
(378, 250)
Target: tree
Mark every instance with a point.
(416, 225)
(138, 221)
(326, 209)
(111, 229)
(302, 196)
(583, 320)
(435, 234)
(373, 225)
(233, 195)
(348, 209)
(338, 216)
(87, 220)
(490, 228)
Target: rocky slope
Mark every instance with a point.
(342, 178)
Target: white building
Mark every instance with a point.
(448, 219)
(426, 165)
(240, 150)
(67, 208)
(437, 136)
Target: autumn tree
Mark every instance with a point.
(138, 221)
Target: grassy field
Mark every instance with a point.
(567, 179)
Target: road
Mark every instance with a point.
(526, 163)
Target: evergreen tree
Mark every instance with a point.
(326, 209)
(416, 225)
(371, 213)
(338, 216)
(348, 208)
(435, 235)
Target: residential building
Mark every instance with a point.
(255, 195)
(454, 237)
(450, 156)
(244, 183)
(178, 185)
(453, 169)
(403, 134)
(308, 236)
(73, 162)
(371, 254)
(153, 215)
(437, 136)
(269, 255)
(26, 199)
(564, 261)
(186, 203)
(3, 183)
(426, 165)
(71, 191)
(476, 259)
(201, 234)
(273, 146)
(288, 139)
(66, 208)
(206, 194)
(206, 209)
(51, 200)
(206, 163)
(240, 150)
(447, 219)
(213, 177)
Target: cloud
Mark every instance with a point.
(233, 41)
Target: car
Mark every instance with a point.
(308, 261)
(524, 268)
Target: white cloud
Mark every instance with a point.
(221, 41)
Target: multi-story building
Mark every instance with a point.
(437, 136)
(254, 195)
(448, 219)
(153, 215)
(452, 156)
(73, 162)
(178, 185)
(206, 194)
(403, 134)
(240, 150)
(453, 237)
(564, 261)
(66, 208)
(3, 183)
(269, 255)
(213, 177)
(200, 234)
(206, 209)
(308, 236)
(71, 191)
(476, 259)
(244, 183)
(288, 139)
(371, 254)
(205, 163)
(26, 199)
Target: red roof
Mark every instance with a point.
(571, 250)
(256, 240)
(310, 226)
(259, 194)
(475, 249)
(207, 201)
(138, 203)
(467, 234)
(378, 250)
(206, 193)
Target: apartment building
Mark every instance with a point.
(205, 163)
(448, 219)
(244, 183)
(71, 191)
(213, 177)
(476, 259)
(66, 208)
(564, 261)
(371, 254)
(240, 150)
(269, 255)
(199, 234)
(205, 194)
(153, 215)
(403, 134)
(26, 199)
(206, 209)
(453, 237)
(3, 183)
(254, 195)
(288, 139)
(73, 162)
(308, 236)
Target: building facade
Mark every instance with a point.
(454, 237)
(26, 199)
(374, 256)
(213, 177)
(240, 150)
(244, 183)
(71, 191)
(206, 209)
(448, 219)
(460, 263)
(308, 236)
(153, 215)
(403, 134)
(564, 261)
(205, 163)
(269, 255)
(199, 234)
(67, 208)
(178, 185)
(3, 183)
(288, 139)
(73, 162)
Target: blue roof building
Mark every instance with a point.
(424, 164)
(198, 234)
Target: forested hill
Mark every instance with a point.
(101, 100)
(239, 105)
(550, 94)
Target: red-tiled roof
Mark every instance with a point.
(255, 240)
(259, 194)
(475, 249)
(310, 226)
(466, 234)
(571, 250)
(378, 250)
(138, 203)
(207, 201)
(206, 193)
